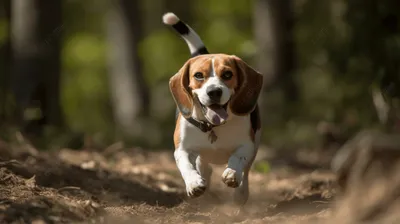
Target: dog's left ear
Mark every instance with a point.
(250, 83)
(179, 87)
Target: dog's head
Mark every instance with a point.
(216, 82)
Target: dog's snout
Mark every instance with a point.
(214, 93)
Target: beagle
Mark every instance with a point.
(218, 120)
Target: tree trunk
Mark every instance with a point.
(25, 40)
(5, 62)
(51, 29)
(285, 53)
(151, 10)
(265, 41)
(130, 96)
(273, 27)
(36, 27)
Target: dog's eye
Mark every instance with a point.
(198, 76)
(227, 75)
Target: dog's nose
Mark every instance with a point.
(214, 93)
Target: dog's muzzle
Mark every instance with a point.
(215, 114)
(214, 93)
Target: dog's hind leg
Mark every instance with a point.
(241, 193)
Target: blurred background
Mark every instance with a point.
(91, 73)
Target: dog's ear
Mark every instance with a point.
(179, 87)
(249, 87)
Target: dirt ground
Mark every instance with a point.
(120, 185)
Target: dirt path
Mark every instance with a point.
(135, 186)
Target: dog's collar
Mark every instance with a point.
(202, 125)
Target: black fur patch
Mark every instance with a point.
(254, 119)
(181, 28)
(200, 51)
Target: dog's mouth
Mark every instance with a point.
(216, 114)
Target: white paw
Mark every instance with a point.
(196, 187)
(231, 178)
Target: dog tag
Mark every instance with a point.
(212, 137)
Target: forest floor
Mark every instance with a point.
(120, 185)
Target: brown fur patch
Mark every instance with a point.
(203, 64)
(177, 133)
(179, 87)
(250, 84)
(225, 64)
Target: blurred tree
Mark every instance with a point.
(50, 33)
(130, 93)
(264, 40)
(274, 35)
(151, 11)
(5, 56)
(36, 27)
(263, 30)
(283, 21)
(51, 29)
(25, 39)
(373, 51)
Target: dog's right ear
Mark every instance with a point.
(250, 83)
(179, 87)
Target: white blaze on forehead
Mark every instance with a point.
(212, 68)
(215, 81)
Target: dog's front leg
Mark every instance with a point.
(236, 174)
(185, 161)
(238, 161)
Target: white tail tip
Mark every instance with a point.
(170, 18)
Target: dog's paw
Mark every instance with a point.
(196, 187)
(231, 178)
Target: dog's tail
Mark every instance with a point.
(193, 40)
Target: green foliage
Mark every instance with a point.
(85, 94)
(342, 49)
(157, 55)
(262, 167)
(225, 29)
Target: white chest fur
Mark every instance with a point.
(230, 136)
